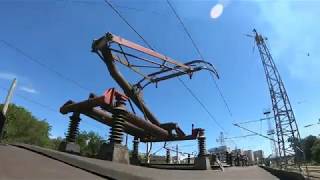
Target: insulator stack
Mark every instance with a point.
(202, 143)
(118, 121)
(117, 127)
(135, 148)
(73, 127)
(168, 156)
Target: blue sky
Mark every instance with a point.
(59, 33)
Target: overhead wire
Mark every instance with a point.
(199, 53)
(43, 65)
(39, 104)
(132, 28)
(201, 104)
(202, 57)
(124, 20)
(189, 35)
(185, 29)
(145, 41)
(222, 96)
(31, 100)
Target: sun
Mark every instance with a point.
(216, 11)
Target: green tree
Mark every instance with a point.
(89, 142)
(316, 151)
(55, 143)
(21, 126)
(307, 144)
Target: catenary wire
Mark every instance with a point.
(184, 85)
(43, 65)
(199, 53)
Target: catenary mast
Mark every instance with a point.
(288, 137)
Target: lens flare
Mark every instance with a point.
(216, 11)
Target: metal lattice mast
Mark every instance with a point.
(288, 136)
(270, 133)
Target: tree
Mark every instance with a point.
(55, 143)
(2, 120)
(307, 144)
(316, 151)
(89, 142)
(21, 126)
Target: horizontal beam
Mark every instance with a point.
(87, 106)
(173, 126)
(146, 125)
(140, 48)
(106, 118)
(184, 138)
(105, 40)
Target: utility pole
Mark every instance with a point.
(6, 105)
(288, 136)
(221, 139)
(177, 153)
(271, 133)
(9, 96)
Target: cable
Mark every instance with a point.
(222, 96)
(189, 90)
(40, 63)
(262, 119)
(187, 145)
(32, 101)
(124, 20)
(185, 29)
(200, 54)
(202, 105)
(244, 136)
(198, 50)
(118, 6)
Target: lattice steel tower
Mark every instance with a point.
(288, 137)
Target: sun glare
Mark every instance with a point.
(216, 11)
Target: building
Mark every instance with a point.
(238, 151)
(219, 149)
(220, 152)
(258, 156)
(157, 159)
(249, 154)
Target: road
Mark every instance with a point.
(21, 163)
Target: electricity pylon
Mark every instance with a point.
(270, 133)
(288, 137)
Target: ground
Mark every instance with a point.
(18, 163)
(31, 162)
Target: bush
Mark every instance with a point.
(316, 151)
(21, 126)
(90, 143)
